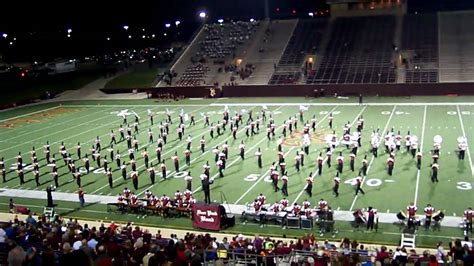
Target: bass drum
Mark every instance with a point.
(401, 216)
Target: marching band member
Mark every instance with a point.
(148, 195)
(434, 172)
(274, 175)
(328, 156)
(257, 205)
(411, 210)
(340, 162)
(323, 205)
(126, 193)
(352, 157)
(175, 161)
(419, 155)
(408, 141)
(258, 153)
(462, 147)
(189, 181)
(468, 214)
(319, 162)
(296, 209)
(371, 218)
(429, 211)
(242, 150)
(306, 204)
(359, 181)
(134, 176)
(390, 164)
(276, 207)
(337, 182)
(284, 203)
(109, 177)
(297, 161)
(163, 169)
(309, 184)
(152, 174)
(284, 188)
(261, 198)
(202, 141)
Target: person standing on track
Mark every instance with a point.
(81, 194)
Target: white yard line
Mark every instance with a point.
(373, 157)
(325, 159)
(464, 134)
(418, 173)
(259, 179)
(32, 113)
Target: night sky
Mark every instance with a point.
(41, 26)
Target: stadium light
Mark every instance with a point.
(125, 27)
(69, 35)
(143, 36)
(69, 31)
(108, 38)
(11, 43)
(311, 14)
(252, 20)
(129, 36)
(202, 14)
(5, 35)
(220, 20)
(164, 34)
(177, 22)
(167, 25)
(153, 35)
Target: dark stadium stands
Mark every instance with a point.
(359, 51)
(193, 76)
(420, 35)
(305, 40)
(222, 39)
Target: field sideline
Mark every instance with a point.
(243, 180)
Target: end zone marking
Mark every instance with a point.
(32, 113)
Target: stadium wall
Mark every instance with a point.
(348, 89)
(310, 90)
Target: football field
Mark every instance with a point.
(29, 127)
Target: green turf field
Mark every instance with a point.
(24, 128)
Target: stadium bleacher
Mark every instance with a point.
(305, 40)
(359, 51)
(420, 35)
(456, 48)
